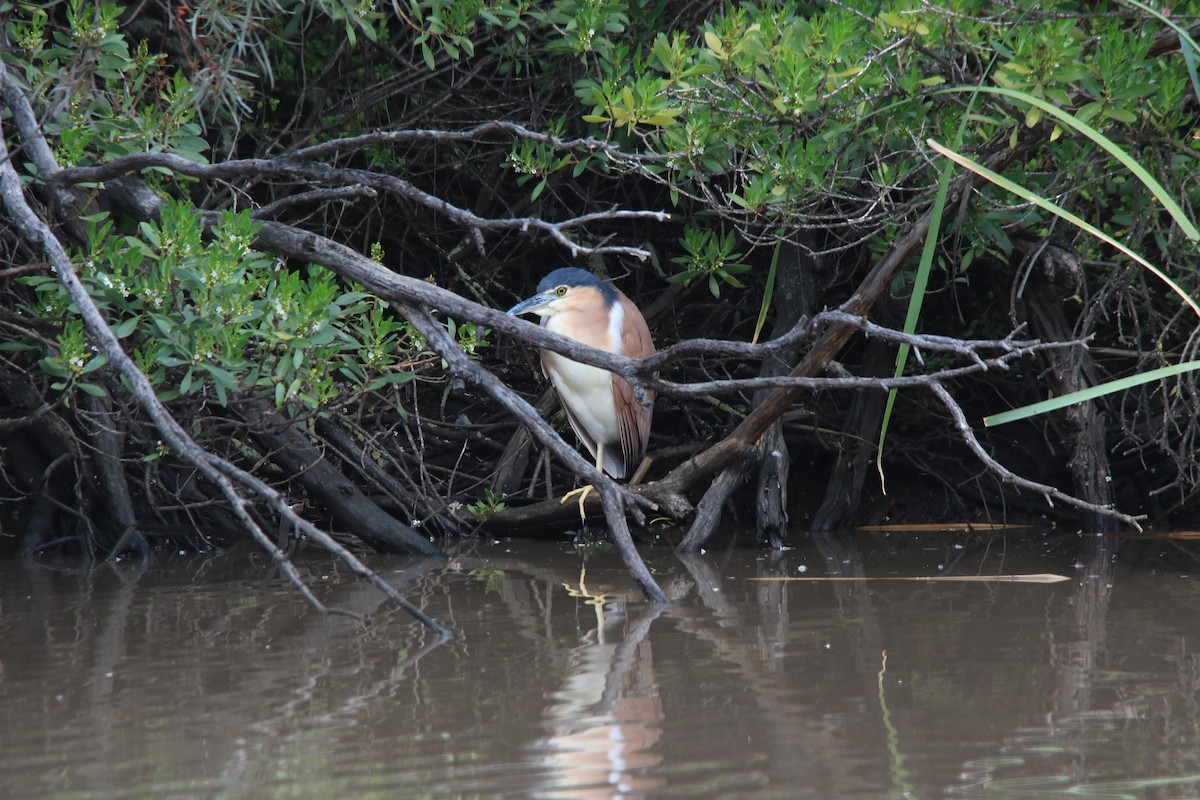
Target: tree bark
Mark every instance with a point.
(795, 298)
(856, 451)
(1071, 370)
(299, 458)
(106, 457)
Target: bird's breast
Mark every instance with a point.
(587, 393)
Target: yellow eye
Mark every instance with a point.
(560, 291)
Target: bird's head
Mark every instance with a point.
(565, 289)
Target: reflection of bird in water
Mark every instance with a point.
(601, 406)
(606, 717)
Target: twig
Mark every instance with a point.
(315, 196)
(510, 129)
(292, 167)
(842, 383)
(1008, 476)
(15, 423)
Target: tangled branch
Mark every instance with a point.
(224, 474)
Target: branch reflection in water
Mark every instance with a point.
(194, 677)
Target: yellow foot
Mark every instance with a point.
(583, 492)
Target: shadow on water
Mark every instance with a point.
(209, 678)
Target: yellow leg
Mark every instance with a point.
(594, 600)
(583, 491)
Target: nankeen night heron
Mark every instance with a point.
(600, 406)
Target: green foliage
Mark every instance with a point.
(641, 102)
(489, 504)
(709, 256)
(218, 317)
(776, 117)
(470, 337)
(119, 100)
(585, 26)
(73, 360)
(533, 160)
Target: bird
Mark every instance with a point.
(600, 405)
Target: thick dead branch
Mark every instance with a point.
(824, 350)
(295, 452)
(510, 467)
(710, 509)
(1071, 371)
(855, 453)
(106, 457)
(796, 295)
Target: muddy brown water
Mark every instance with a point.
(196, 677)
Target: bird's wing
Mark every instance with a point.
(634, 421)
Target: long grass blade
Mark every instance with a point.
(1090, 393)
(1040, 577)
(920, 285)
(1058, 210)
(1066, 118)
(768, 292)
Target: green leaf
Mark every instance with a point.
(1120, 114)
(94, 364)
(391, 379)
(768, 292)
(664, 118)
(149, 232)
(1091, 393)
(126, 327)
(713, 42)
(53, 367)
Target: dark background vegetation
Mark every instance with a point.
(475, 145)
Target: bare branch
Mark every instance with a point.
(314, 196)
(1008, 476)
(481, 131)
(848, 383)
(292, 167)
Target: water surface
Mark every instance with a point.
(211, 677)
